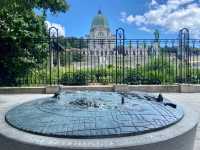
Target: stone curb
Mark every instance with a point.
(177, 88)
(22, 90)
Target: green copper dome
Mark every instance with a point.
(99, 21)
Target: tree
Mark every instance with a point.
(55, 6)
(23, 36)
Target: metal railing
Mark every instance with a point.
(71, 61)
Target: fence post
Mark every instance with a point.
(52, 45)
(58, 60)
(184, 54)
(120, 35)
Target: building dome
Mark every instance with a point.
(99, 21)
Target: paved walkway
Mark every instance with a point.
(192, 100)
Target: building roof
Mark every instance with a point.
(99, 21)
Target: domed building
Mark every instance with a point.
(101, 38)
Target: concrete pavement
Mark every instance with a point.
(191, 100)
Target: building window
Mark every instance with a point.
(100, 34)
(101, 43)
(94, 44)
(101, 53)
(106, 53)
(91, 52)
(97, 53)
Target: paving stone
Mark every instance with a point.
(191, 100)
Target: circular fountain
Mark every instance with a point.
(94, 115)
(100, 120)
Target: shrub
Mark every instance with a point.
(76, 78)
(133, 77)
(99, 74)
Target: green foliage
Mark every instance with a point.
(160, 70)
(76, 78)
(22, 36)
(133, 77)
(156, 71)
(148, 74)
(73, 42)
(55, 6)
(99, 74)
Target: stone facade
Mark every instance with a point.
(101, 40)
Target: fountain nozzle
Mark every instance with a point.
(123, 101)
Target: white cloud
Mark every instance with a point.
(145, 29)
(130, 19)
(179, 2)
(61, 29)
(171, 16)
(153, 3)
(123, 17)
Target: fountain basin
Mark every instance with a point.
(178, 134)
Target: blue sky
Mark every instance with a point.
(139, 18)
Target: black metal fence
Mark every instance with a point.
(71, 61)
